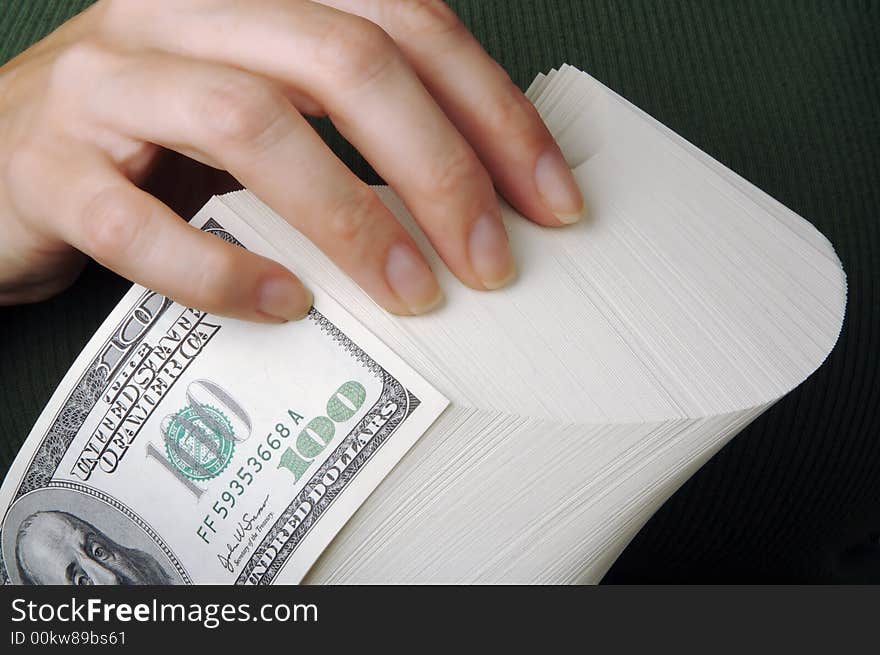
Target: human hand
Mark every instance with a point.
(84, 113)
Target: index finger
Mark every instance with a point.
(358, 74)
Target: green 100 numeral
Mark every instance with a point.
(313, 439)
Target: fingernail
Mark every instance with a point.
(412, 280)
(490, 252)
(557, 187)
(284, 298)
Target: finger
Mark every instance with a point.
(129, 231)
(489, 110)
(304, 102)
(246, 125)
(357, 74)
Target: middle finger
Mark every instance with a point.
(354, 70)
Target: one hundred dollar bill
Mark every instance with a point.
(185, 448)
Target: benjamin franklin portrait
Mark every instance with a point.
(57, 548)
(63, 536)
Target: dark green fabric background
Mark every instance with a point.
(783, 92)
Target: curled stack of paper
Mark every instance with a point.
(631, 348)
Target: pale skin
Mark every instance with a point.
(85, 112)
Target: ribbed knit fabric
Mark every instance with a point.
(786, 94)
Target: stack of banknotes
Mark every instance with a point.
(523, 435)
